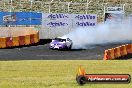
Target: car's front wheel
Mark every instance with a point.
(70, 46)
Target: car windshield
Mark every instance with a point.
(60, 40)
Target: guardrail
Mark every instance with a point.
(118, 52)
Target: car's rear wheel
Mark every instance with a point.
(70, 46)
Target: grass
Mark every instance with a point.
(58, 74)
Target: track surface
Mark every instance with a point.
(42, 52)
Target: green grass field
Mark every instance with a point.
(58, 74)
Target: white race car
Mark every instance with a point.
(61, 43)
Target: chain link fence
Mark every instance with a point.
(65, 6)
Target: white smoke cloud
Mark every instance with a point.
(101, 34)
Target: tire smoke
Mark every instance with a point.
(101, 34)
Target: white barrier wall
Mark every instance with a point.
(59, 24)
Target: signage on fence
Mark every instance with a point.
(84, 20)
(114, 14)
(59, 24)
(20, 18)
(56, 20)
(60, 20)
(115, 10)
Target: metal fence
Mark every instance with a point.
(64, 6)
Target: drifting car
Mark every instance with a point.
(61, 43)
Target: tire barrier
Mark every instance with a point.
(9, 42)
(109, 54)
(36, 38)
(27, 39)
(15, 41)
(123, 50)
(112, 56)
(21, 40)
(118, 52)
(129, 48)
(18, 36)
(2, 42)
(32, 38)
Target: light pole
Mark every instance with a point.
(68, 6)
(30, 10)
(87, 7)
(20, 6)
(31, 4)
(11, 6)
(10, 19)
(123, 8)
(88, 2)
(105, 8)
(50, 6)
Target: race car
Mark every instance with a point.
(61, 43)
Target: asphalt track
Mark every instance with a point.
(41, 51)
